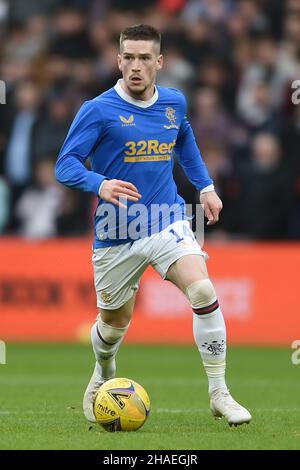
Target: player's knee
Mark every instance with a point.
(118, 318)
(201, 293)
(110, 332)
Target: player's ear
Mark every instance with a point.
(160, 62)
(119, 62)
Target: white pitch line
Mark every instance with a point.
(204, 410)
(62, 380)
(82, 379)
(37, 412)
(79, 381)
(157, 410)
(42, 380)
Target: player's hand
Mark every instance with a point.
(212, 206)
(113, 190)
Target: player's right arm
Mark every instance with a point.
(84, 135)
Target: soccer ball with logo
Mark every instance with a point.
(121, 405)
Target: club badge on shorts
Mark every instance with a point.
(106, 297)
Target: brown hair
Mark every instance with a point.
(141, 32)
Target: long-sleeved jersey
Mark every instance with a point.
(134, 141)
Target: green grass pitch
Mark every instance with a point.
(41, 389)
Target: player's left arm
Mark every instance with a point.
(191, 161)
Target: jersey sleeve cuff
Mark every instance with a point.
(207, 189)
(100, 187)
(94, 181)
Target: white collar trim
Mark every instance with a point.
(129, 99)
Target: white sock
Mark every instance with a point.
(106, 341)
(210, 336)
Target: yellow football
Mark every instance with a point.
(121, 405)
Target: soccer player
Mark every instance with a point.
(131, 133)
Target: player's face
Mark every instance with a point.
(139, 62)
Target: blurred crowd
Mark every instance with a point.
(235, 61)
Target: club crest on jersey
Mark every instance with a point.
(170, 115)
(127, 122)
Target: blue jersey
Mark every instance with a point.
(134, 141)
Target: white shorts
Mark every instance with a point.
(118, 269)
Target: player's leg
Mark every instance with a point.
(117, 271)
(178, 258)
(107, 335)
(189, 274)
